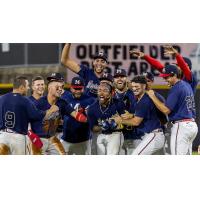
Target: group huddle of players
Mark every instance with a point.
(101, 114)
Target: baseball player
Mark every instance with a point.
(180, 107)
(76, 137)
(110, 138)
(145, 120)
(163, 118)
(123, 93)
(16, 112)
(91, 76)
(38, 87)
(183, 63)
(46, 130)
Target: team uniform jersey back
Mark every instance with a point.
(146, 109)
(180, 101)
(17, 111)
(74, 131)
(97, 113)
(91, 80)
(48, 128)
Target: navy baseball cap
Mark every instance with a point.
(55, 77)
(169, 70)
(188, 61)
(77, 83)
(120, 72)
(149, 76)
(107, 77)
(101, 55)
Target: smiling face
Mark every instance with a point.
(104, 94)
(170, 80)
(77, 92)
(55, 89)
(138, 88)
(38, 87)
(120, 82)
(99, 65)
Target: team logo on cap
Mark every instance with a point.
(119, 71)
(164, 71)
(53, 74)
(77, 82)
(100, 53)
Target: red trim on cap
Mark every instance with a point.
(164, 75)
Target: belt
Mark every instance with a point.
(183, 120)
(157, 130)
(7, 130)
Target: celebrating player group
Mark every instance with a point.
(101, 114)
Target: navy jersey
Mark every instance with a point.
(17, 111)
(180, 101)
(35, 101)
(74, 131)
(146, 109)
(193, 83)
(48, 128)
(129, 100)
(91, 80)
(97, 113)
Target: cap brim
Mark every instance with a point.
(164, 75)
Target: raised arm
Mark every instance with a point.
(153, 62)
(169, 50)
(67, 61)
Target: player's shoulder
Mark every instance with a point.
(67, 95)
(94, 105)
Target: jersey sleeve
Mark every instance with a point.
(66, 109)
(172, 100)
(34, 114)
(84, 71)
(91, 118)
(184, 67)
(154, 63)
(160, 97)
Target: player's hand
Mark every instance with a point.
(117, 119)
(54, 109)
(127, 115)
(105, 126)
(150, 93)
(137, 53)
(170, 50)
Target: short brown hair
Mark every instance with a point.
(19, 81)
(36, 78)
